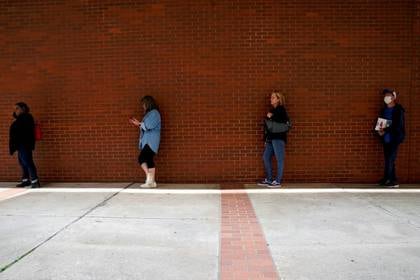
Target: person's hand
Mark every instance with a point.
(269, 115)
(134, 122)
(381, 132)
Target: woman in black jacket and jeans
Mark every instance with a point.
(22, 140)
(275, 142)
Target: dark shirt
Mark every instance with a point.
(279, 115)
(22, 133)
(388, 115)
(397, 129)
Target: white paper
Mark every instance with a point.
(382, 123)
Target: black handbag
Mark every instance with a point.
(277, 127)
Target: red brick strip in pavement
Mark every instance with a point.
(244, 251)
(11, 192)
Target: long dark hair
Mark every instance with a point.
(23, 106)
(150, 103)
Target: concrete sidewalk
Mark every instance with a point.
(118, 231)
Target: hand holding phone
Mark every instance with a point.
(134, 121)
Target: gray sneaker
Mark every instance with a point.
(274, 184)
(264, 183)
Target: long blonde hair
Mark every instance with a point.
(280, 96)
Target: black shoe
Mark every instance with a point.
(23, 184)
(35, 185)
(391, 184)
(382, 182)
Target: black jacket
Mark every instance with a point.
(22, 133)
(397, 128)
(279, 115)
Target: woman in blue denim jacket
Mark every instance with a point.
(149, 139)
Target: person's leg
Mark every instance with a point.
(27, 160)
(152, 173)
(143, 165)
(25, 181)
(148, 166)
(152, 169)
(387, 163)
(392, 159)
(390, 154)
(152, 176)
(279, 147)
(145, 168)
(268, 154)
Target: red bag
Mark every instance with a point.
(37, 132)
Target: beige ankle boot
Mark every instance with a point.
(152, 181)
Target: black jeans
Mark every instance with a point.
(27, 164)
(390, 153)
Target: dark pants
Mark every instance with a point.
(27, 164)
(146, 156)
(390, 153)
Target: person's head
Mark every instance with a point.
(277, 99)
(20, 108)
(390, 96)
(149, 103)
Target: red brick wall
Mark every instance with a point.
(414, 149)
(83, 66)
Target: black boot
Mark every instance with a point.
(23, 184)
(392, 184)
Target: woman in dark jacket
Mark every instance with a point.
(392, 136)
(275, 142)
(22, 140)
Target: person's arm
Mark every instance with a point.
(151, 121)
(397, 126)
(280, 115)
(12, 140)
(19, 130)
(134, 122)
(29, 129)
(381, 131)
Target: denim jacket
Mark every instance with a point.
(150, 131)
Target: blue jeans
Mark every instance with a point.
(27, 164)
(275, 147)
(390, 154)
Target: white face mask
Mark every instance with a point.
(388, 99)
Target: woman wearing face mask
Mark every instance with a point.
(22, 140)
(392, 136)
(149, 141)
(275, 142)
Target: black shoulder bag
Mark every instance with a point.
(277, 127)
